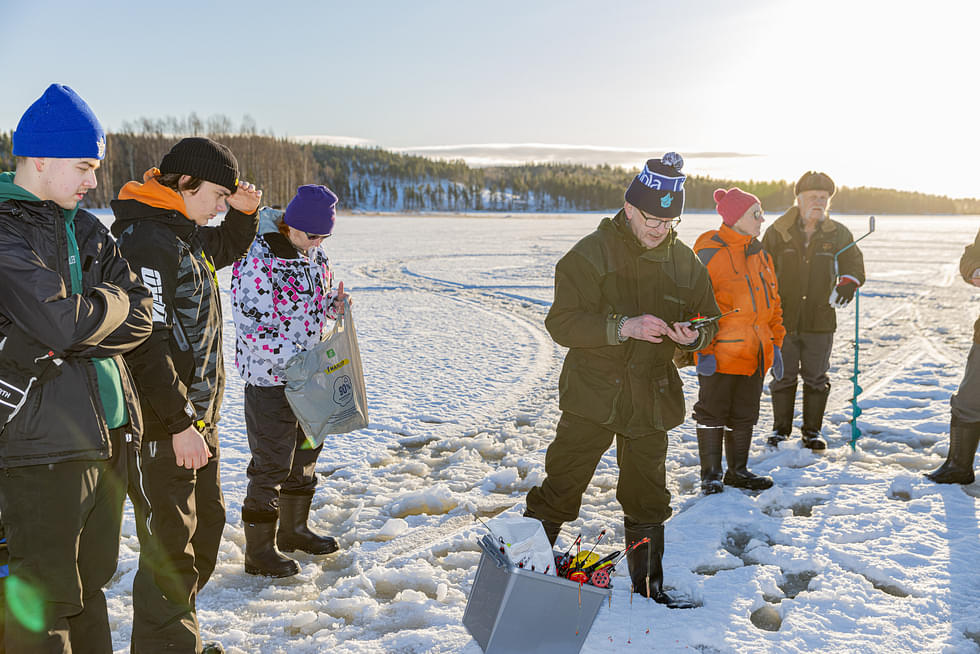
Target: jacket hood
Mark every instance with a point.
(268, 218)
(150, 200)
(10, 191)
(724, 235)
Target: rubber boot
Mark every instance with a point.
(958, 468)
(783, 404)
(294, 534)
(709, 451)
(737, 444)
(212, 647)
(646, 564)
(814, 403)
(551, 529)
(261, 555)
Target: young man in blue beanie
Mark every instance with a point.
(624, 296)
(70, 307)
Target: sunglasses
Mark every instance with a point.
(653, 221)
(316, 237)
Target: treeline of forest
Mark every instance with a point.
(381, 180)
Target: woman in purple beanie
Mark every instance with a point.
(282, 300)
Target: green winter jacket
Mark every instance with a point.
(806, 274)
(969, 262)
(631, 388)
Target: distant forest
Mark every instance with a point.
(373, 179)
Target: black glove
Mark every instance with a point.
(23, 363)
(844, 293)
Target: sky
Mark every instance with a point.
(874, 93)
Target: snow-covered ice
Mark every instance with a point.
(850, 551)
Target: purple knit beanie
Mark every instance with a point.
(312, 209)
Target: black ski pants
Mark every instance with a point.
(728, 400)
(282, 459)
(180, 515)
(62, 522)
(570, 463)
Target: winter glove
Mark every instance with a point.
(23, 362)
(777, 363)
(844, 293)
(707, 364)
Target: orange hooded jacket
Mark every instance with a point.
(743, 277)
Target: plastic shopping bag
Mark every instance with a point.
(525, 543)
(325, 384)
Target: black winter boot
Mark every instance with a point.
(294, 534)
(958, 468)
(814, 404)
(783, 404)
(646, 564)
(709, 451)
(737, 444)
(261, 555)
(551, 529)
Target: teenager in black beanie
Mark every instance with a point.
(161, 227)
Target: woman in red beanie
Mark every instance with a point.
(732, 367)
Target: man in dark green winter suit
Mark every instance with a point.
(802, 243)
(623, 296)
(964, 423)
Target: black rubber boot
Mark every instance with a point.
(646, 564)
(783, 405)
(737, 444)
(212, 647)
(261, 555)
(814, 404)
(958, 468)
(294, 534)
(709, 451)
(551, 529)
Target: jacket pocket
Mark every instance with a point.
(668, 397)
(591, 389)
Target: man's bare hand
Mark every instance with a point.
(682, 333)
(246, 198)
(190, 449)
(645, 328)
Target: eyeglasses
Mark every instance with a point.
(316, 237)
(757, 214)
(653, 221)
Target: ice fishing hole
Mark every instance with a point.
(766, 618)
(795, 583)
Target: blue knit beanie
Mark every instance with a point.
(59, 124)
(658, 189)
(312, 210)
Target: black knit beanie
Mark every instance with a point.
(205, 159)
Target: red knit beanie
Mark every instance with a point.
(733, 203)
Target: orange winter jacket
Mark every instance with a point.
(743, 277)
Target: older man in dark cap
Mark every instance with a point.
(623, 297)
(802, 243)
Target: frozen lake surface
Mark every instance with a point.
(849, 551)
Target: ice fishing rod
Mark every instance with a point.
(703, 321)
(857, 390)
